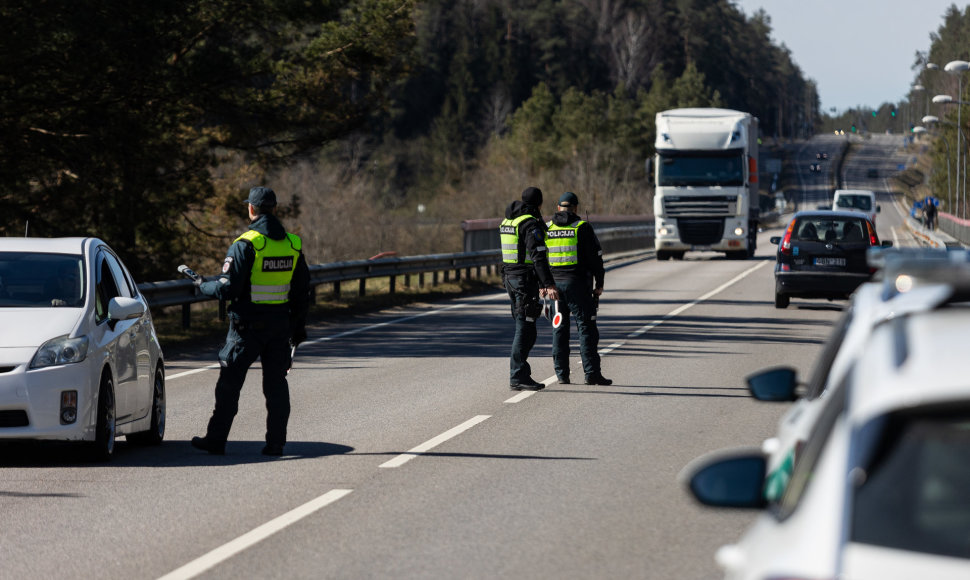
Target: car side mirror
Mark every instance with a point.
(887, 243)
(732, 479)
(775, 240)
(121, 308)
(777, 384)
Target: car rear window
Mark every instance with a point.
(830, 229)
(34, 280)
(914, 494)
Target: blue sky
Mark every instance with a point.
(858, 52)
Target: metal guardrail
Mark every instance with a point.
(184, 293)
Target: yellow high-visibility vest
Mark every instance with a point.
(513, 249)
(273, 268)
(562, 244)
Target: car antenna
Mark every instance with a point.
(27, 229)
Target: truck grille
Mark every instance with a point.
(700, 232)
(702, 206)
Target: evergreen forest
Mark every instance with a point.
(381, 124)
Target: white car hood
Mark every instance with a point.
(32, 327)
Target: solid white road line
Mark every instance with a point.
(191, 372)
(434, 442)
(226, 551)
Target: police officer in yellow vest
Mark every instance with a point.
(576, 259)
(266, 281)
(525, 269)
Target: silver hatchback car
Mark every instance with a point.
(79, 357)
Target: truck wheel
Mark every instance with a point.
(678, 255)
(663, 255)
(738, 255)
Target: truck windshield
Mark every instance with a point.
(701, 168)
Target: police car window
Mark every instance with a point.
(914, 493)
(106, 288)
(807, 461)
(820, 373)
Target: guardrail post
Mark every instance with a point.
(434, 278)
(186, 315)
(407, 280)
(362, 290)
(336, 290)
(421, 280)
(391, 285)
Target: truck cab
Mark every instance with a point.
(706, 179)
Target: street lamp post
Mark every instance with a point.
(956, 67)
(928, 119)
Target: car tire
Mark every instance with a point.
(103, 446)
(782, 300)
(156, 431)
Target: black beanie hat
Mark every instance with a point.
(532, 196)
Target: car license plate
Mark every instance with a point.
(830, 261)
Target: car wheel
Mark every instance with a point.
(663, 255)
(156, 432)
(104, 441)
(781, 300)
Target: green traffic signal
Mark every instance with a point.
(873, 113)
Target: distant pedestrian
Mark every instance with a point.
(577, 265)
(266, 281)
(526, 276)
(929, 211)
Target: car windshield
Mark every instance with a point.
(829, 229)
(701, 169)
(862, 202)
(914, 492)
(33, 280)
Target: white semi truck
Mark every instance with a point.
(706, 178)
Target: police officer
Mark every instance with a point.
(525, 268)
(266, 281)
(576, 259)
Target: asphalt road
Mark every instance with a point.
(410, 458)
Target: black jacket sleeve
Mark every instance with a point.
(533, 232)
(591, 254)
(236, 271)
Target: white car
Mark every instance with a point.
(880, 487)
(79, 357)
(923, 275)
(861, 200)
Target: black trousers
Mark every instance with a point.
(526, 308)
(576, 298)
(269, 341)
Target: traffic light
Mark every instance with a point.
(853, 128)
(873, 113)
(892, 112)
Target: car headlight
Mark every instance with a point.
(60, 351)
